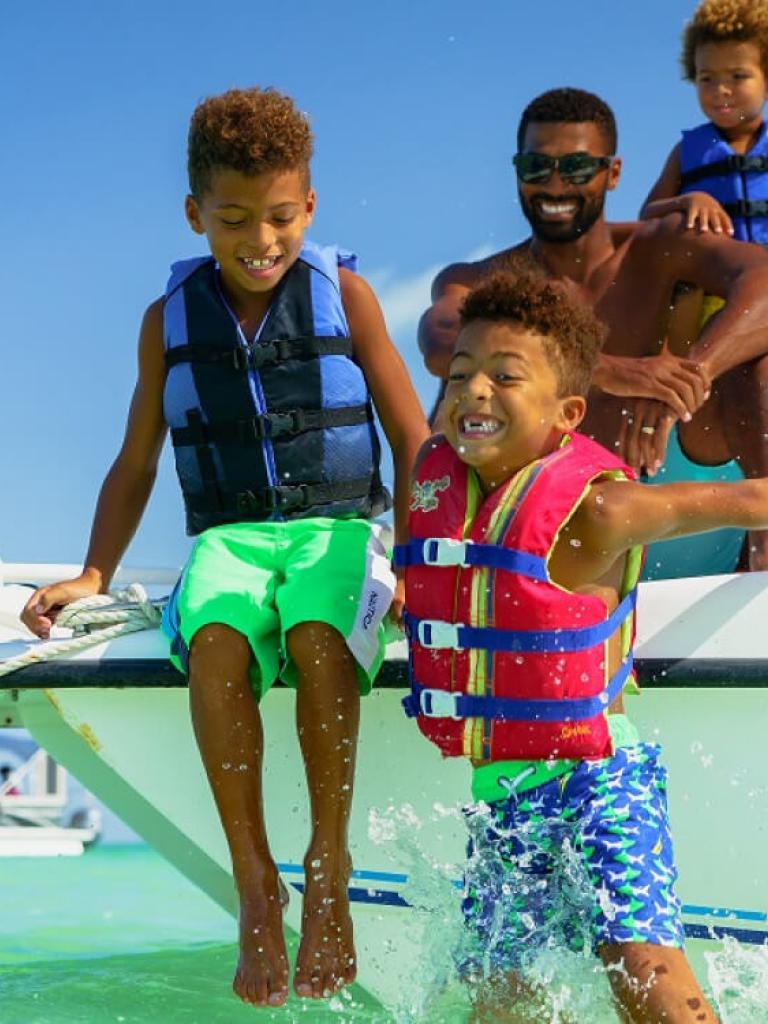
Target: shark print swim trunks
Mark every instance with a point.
(581, 861)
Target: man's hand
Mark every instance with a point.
(645, 430)
(42, 608)
(681, 384)
(438, 329)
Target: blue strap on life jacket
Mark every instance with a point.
(433, 633)
(444, 551)
(444, 704)
(738, 181)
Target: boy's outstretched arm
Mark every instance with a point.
(397, 404)
(126, 488)
(700, 208)
(617, 515)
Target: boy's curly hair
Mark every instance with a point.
(725, 21)
(246, 130)
(572, 334)
(570, 106)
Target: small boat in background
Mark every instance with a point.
(34, 806)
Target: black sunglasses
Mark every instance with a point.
(575, 168)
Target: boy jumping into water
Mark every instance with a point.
(521, 570)
(262, 359)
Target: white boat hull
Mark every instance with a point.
(134, 749)
(26, 841)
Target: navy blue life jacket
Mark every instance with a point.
(738, 182)
(278, 428)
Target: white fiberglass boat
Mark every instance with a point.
(34, 816)
(115, 715)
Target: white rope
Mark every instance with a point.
(93, 620)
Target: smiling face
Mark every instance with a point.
(255, 228)
(559, 211)
(503, 403)
(731, 85)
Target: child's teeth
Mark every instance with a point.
(259, 264)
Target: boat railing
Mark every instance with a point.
(40, 574)
(44, 785)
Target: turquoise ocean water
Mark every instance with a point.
(118, 936)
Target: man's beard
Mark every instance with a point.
(587, 212)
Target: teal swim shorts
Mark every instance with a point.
(262, 579)
(702, 554)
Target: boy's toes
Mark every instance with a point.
(278, 993)
(303, 987)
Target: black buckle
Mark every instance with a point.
(285, 498)
(282, 423)
(255, 429)
(261, 353)
(753, 163)
(246, 503)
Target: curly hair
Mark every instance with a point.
(725, 21)
(571, 333)
(570, 106)
(246, 130)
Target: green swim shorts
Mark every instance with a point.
(264, 578)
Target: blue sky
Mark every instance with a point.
(414, 107)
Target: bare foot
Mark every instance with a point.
(261, 977)
(326, 959)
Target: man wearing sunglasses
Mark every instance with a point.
(708, 405)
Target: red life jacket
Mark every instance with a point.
(505, 664)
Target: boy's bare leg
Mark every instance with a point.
(227, 724)
(655, 985)
(327, 718)
(508, 999)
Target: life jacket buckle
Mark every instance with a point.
(439, 704)
(286, 498)
(255, 429)
(444, 551)
(432, 633)
(255, 356)
(282, 423)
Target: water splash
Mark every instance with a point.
(561, 982)
(452, 970)
(738, 978)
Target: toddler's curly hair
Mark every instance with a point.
(725, 21)
(571, 333)
(247, 130)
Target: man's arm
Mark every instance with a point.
(736, 271)
(126, 488)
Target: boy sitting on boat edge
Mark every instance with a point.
(263, 359)
(521, 570)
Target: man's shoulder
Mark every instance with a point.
(668, 226)
(466, 274)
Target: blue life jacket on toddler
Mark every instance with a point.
(280, 427)
(738, 181)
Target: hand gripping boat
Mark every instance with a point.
(116, 716)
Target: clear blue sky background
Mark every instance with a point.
(414, 106)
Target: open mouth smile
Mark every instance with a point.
(476, 427)
(260, 266)
(550, 209)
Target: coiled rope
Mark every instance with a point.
(93, 620)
